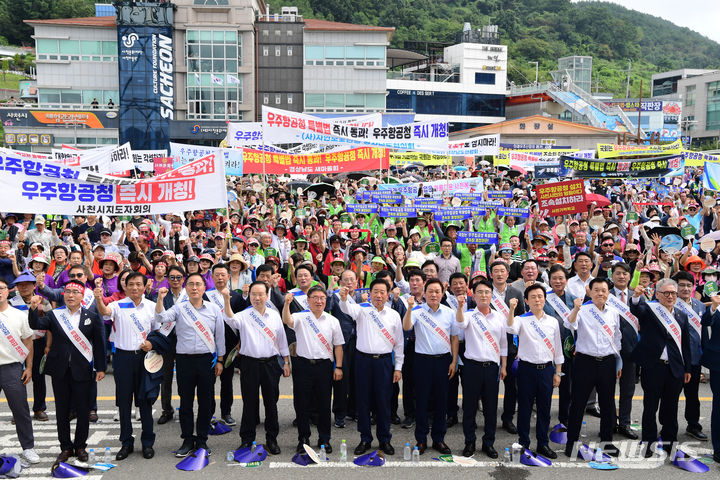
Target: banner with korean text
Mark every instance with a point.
(503, 156)
(103, 160)
(561, 198)
(427, 159)
(667, 166)
(355, 160)
(282, 126)
(607, 150)
(698, 159)
(482, 238)
(183, 154)
(476, 146)
(50, 188)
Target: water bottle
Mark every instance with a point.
(108, 455)
(177, 415)
(230, 456)
(91, 457)
(598, 455)
(416, 455)
(343, 451)
(583, 431)
(252, 447)
(506, 458)
(407, 452)
(516, 452)
(323, 453)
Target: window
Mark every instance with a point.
(690, 95)
(314, 52)
(278, 32)
(278, 99)
(214, 88)
(277, 51)
(289, 33)
(266, 98)
(266, 50)
(484, 78)
(289, 51)
(265, 32)
(334, 52)
(290, 98)
(46, 45)
(713, 106)
(76, 50)
(211, 2)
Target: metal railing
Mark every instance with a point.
(532, 88)
(57, 106)
(425, 77)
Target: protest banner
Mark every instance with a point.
(427, 159)
(366, 208)
(503, 156)
(561, 198)
(397, 212)
(711, 176)
(513, 212)
(475, 146)
(482, 238)
(183, 154)
(698, 159)
(656, 167)
(499, 194)
(354, 160)
(608, 150)
(144, 160)
(45, 186)
(103, 160)
(162, 165)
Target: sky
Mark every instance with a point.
(702, 16)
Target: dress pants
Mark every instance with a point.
(16, 394)
(167, 381)
(195, 376)
(692, 402)
(454, 383)
(38, 379)
(341, 388)
(128, 369)
(510, 399)
(373, 387)
(226, 391)
(627, 389)
(480, 381)
(431, 382)
(259, 374)
(312, 386)
(565, 391)
(660, 388)
(535, 386)
(70, 392)
(408, 379)
(715, 415)
(599, 375)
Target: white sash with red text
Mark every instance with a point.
(75, 336)
(477, 316)
(500, 305)
(370, 309)
(693, 316)
(558, 305)
(624, 310)
(541, 333)
(668, 321)
(17, 348)
(189, 312)
(432, 324)
(309, 317)
(264, 329)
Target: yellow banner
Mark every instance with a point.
(698, 159)
(608, 150)
(405, 158)
(503, 158)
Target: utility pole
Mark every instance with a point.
(639, 112)
(536, 71)
(627, 87)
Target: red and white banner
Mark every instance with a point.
(355, 160)
(561, 198)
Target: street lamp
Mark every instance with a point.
(536, 71)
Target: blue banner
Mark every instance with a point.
(426, 202)
(393, 198)
(513, 212)
(483, 238)
(711, 176)
(500, 194)
(366, 208)
(403, 212)
(468, 196)
(486, 204)
(448, 214)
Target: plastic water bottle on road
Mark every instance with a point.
(91, 457)
(108, 455)
(407, 452)
(230, 456)
(343, 451)
(507, 459)
(416, 455)
(323, 453)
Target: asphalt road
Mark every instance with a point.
(105, 434)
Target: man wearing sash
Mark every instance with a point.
(539, 350)
(711, 360)
(319, 361)
(176, 294)
(266, 274)
(559, 303)
(262, 342)
(380, 335)
(16, 366)
(500, 301)
(582, 266)
(80, 338)
(436, 350)
(663, 352)
(597, 359)
(221, 275)
(629, 326)
(485, 364)
(200, 329)
(695, 310)
(133, 318)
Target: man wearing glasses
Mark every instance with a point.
(319, 361)
(663, 352)
(78, 337)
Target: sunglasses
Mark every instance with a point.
(72, 276)
(175, 277)
(608, 244)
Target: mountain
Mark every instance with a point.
(542, 31)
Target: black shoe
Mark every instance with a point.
(469, 449)
(362, 447)
(451, 421)
(387, 448)
(272, 447)
(716, 457)
(442, 448)
(408, 422)
(165, 417)
(546, 452)
(626, 431)
(696, 433)
(302, 441)
(228, 420)
(489, 451)
(421, 446)
(510, 428)
(204, 447)
(339, 423)
(395, 419)
(593, 411)
(245, 445)
(148, 452)
(328, 447)
(124, 452)
(185, 449)
(611, 450)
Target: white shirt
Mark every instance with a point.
(477, 345)
(125, 334)
(17, 324)
(592, 338)
(576, 286)
(428, 340)
(301, 298)
(531, 347)
(308, 342)
(254, 342)
(369, 337)
(189, 341)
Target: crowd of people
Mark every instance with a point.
(357, 308)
